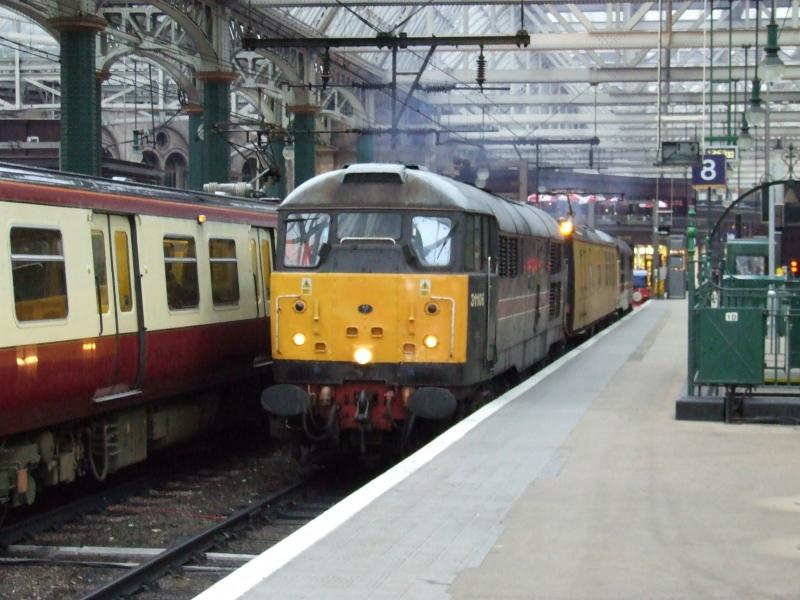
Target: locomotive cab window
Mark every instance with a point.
(224, 272)
(372, 227)
(431, 240)
(180, 269)
(39, 274)
(306, 234)
(476, 243)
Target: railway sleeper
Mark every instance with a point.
(100, 446)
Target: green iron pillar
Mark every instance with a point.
(365, 148)
(275, 149)
(691, 234)
(216, 114)
(100, 78)
(80, 122)
(195, 112)
(304, 145)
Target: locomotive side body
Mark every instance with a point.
(118, 303)
(401, 292)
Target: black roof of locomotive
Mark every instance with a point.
(388, 186)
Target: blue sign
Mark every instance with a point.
(710, 172)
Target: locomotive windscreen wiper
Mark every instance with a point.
(368, 239)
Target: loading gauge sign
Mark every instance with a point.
(425, 287)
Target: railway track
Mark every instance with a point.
(179, 554)
(152, 538)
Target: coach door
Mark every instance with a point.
(261, 256)
(117, 292)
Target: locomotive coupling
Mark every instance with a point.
(284, 400)
(432, 403)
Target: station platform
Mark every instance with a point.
(579, 483)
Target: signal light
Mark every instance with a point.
(793, 267)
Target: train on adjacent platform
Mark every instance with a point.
(399, 293)
(131, 315)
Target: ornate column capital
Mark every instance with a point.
(87, 23)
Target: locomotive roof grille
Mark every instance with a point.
(373, 177)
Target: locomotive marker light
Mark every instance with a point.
(431, 341)
(299, 339)
(362, 356)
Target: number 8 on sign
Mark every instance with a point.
(710, 172)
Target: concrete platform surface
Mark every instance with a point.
(579, 484)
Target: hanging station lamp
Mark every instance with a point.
(757, 112)
(772, 66)
(744, 140)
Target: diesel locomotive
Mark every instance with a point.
(129, 314)
(399, 293)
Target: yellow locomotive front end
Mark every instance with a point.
(367, 319)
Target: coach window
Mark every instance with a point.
(123, 271)
(431, 240)
(180, 269)
(306, 233)
(39, 275)
(100, 276)
(224, 272)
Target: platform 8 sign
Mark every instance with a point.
(711, 172)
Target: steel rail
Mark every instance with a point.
(15, 532)
(177, 555)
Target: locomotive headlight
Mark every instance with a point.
(431, 341)
(299, 339)
(362, 356)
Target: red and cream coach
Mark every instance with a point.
(129, 315)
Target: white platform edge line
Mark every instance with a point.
(268, 562)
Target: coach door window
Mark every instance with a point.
(254, 268)
(123, 271)
(180, 269)
(39, 275)
(266, 264)
(224, 272)
(431, 240)
(100, 275)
